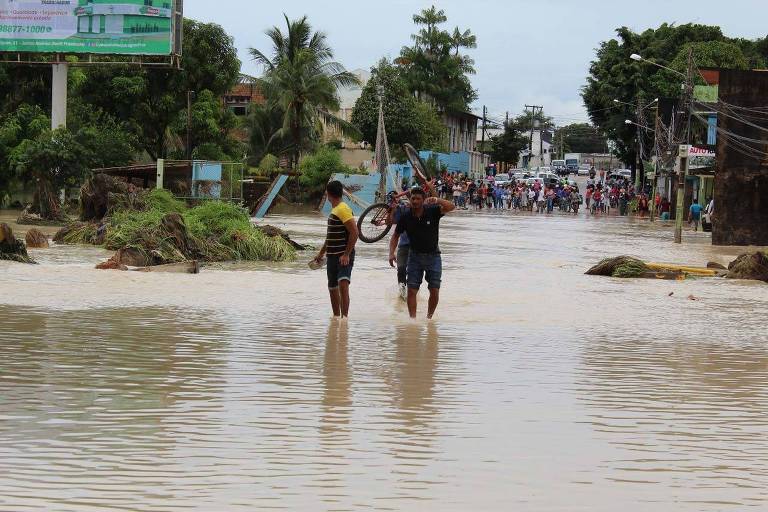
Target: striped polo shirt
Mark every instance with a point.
(338, 236)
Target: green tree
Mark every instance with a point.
(210, 129)
(433, 67)
(26, 122)
(302, 78)
(432, 134)
(407, 120)
(507, 146)
(580, 138)
(153, 101)
(266, 134)
(613, 75)
(52, 160)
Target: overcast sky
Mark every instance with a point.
(534, 52)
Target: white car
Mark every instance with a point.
(583, 171)
(502, 179)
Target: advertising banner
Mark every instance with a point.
(120, 27)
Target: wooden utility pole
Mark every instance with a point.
(533, 125)
(482, 144)
(682, 173)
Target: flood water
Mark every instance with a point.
(536, 388)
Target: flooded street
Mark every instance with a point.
(536, 388)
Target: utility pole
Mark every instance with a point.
(657, 157)
(60, 72)
(482, 144)
(639, 159)
(682, 173)
(533, 126)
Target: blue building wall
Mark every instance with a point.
(206, 171)
(455, 162)
(364, 186)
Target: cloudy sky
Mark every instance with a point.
(534, 51)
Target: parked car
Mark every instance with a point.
(620, 174)
(503, 179)
(520, 174)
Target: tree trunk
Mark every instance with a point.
(45, 202)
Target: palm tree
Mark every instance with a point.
(302, 79)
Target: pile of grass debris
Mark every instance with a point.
(165, 231)
(621, 266)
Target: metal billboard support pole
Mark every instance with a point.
(59, 95)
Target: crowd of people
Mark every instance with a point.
(599, 196)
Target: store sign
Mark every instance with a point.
(122, 27)
(697, 151)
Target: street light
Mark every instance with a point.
(631, 105)
(638, 58)
(629, 121)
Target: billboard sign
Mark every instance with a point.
(119, 27)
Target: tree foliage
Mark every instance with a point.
(407, 119)
(580, 138)
(613, 75)
(301, 78)
(433, 67)
(153, 102)
(507, 146)
(316, 169)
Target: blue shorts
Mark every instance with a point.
(338, 272)
(421, 264)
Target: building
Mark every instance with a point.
(354, 154)
(244, 94)
(124, 17)
(741, 171)
(462, 131)
(540, 151)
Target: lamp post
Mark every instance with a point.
(639, 109)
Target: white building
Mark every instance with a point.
(354, 154)
(540, 151)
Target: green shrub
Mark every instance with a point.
(268, 164)
(316, 169)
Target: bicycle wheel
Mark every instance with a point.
(372, 225)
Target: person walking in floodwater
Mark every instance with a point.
(422, 225)
(339, 246)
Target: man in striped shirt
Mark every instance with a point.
(339, 246)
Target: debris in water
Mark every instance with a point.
(11, 248)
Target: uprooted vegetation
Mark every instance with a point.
(154, 228)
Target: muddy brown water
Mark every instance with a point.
(536, 388)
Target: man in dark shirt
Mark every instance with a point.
(422, 224)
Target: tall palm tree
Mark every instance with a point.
(302, 78)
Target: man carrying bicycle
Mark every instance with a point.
(422, 225)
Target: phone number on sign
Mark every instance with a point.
(30, 29)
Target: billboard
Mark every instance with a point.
(119, 27)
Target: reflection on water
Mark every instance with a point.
(690, 416)
(536, 388)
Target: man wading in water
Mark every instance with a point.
(422, 224)
(340, 247)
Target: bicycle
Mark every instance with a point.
(376, 221)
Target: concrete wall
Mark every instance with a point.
(356, 157)
(741, 180)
